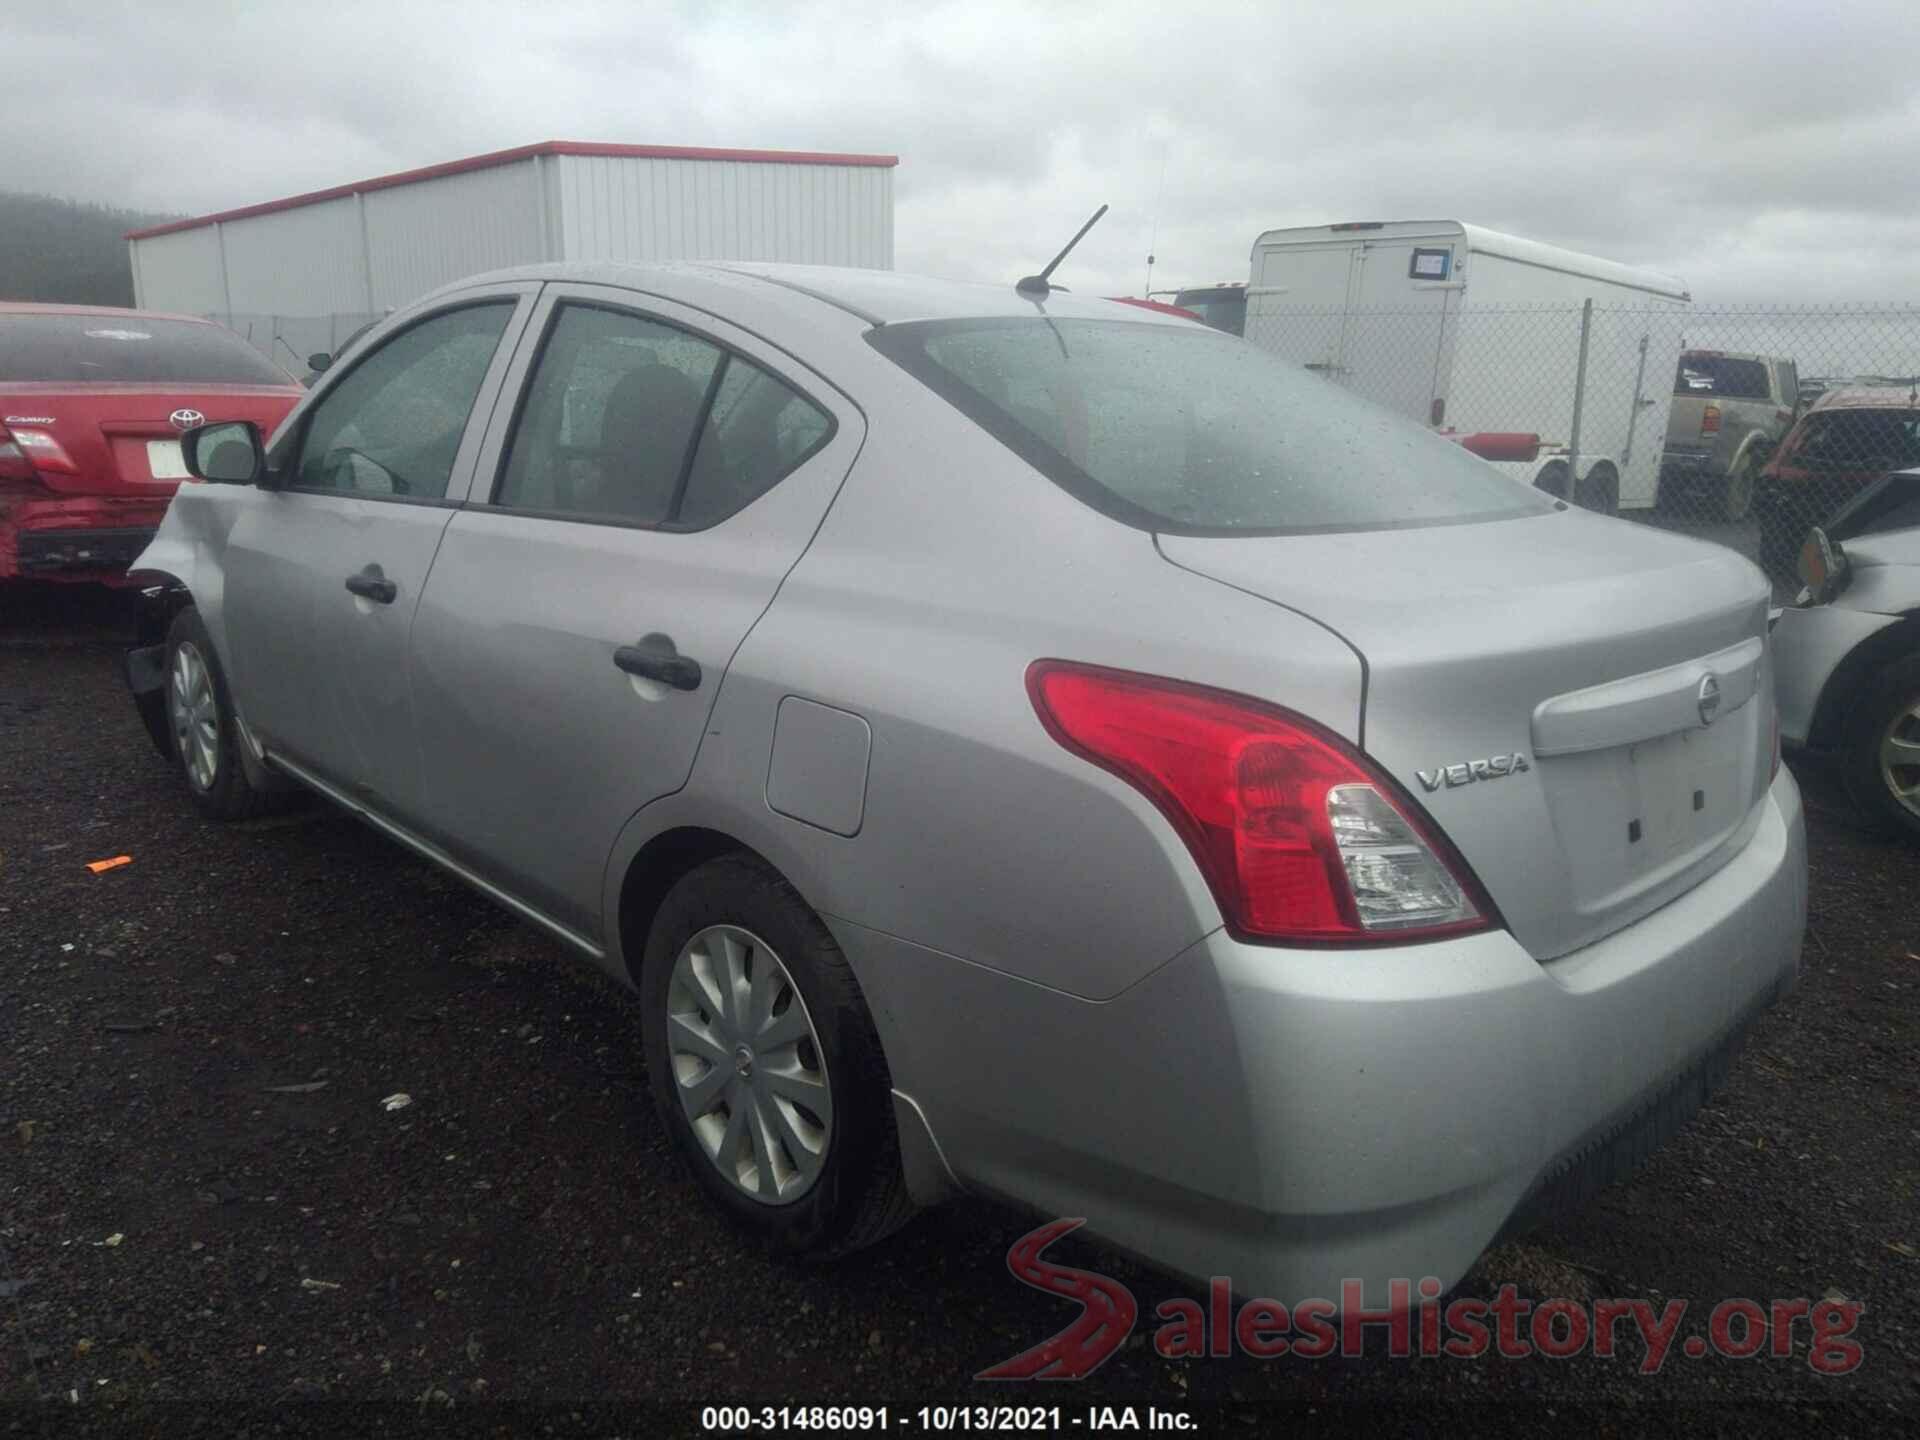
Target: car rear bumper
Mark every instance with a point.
(1687, 464)
(80, 538)
(1292, 1119)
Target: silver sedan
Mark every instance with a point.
(1013, 744)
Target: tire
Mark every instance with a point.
(206, 741)
(1736, 491)
(1887, 713)
(830, 1182)
(1553, 479)
(1600, 491)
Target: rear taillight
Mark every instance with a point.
(16, 469)
(43, 451)
(1710, 420)
(1300, 839)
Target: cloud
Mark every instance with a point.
(1760, 155)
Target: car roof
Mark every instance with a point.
(42, 307)
(1865, 397)
(879, 297)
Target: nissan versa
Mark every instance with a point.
(1015, 744)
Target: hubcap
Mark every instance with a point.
(747, 1065)
(1900, 758)
(195, 715)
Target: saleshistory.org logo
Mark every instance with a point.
(1466, 1328)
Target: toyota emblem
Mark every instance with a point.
(1709, 699)
(186, 419)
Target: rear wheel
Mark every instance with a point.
(765, 1066)
(1600, 491)
(1881, 762)
(1552, 479)
(200, 721)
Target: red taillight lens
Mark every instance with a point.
(1710, 420)
(1299, 838)
(43, 451)
(16, 470)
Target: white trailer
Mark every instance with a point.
(1482, 334)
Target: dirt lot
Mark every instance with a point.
(205, 1208)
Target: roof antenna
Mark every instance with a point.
(1037, 284)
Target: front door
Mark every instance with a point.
(633, 515)
(325, 569)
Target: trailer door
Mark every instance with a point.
(1298, 303)
(1397, 334)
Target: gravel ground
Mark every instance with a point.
(206, 1211)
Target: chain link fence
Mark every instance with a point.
(1745, 425)
(290, 341)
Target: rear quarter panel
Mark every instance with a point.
(944, 569)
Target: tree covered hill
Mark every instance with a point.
(54, 249)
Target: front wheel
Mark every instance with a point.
(205, 735)
(1600, 491)
(1736, 494)
(1881, 762)
(765, 1066)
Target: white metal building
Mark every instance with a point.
(316, 265)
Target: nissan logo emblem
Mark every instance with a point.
(1709, 699)
(186, 419)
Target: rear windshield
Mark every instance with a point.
(1176, 428)
(101, 349)
(1721, 375)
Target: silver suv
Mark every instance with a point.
(1013, 743)
(1729, 412)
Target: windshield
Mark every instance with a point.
(106, 349)
(1175, 428)
(1223, 309)
(1860, 440)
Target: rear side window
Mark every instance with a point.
(1721, 376)
(1180, 429)
(633, 420)
(129, 349)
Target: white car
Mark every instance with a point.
(1847, 654)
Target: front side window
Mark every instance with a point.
(632, 420)
(392, 426)
(1180, 429)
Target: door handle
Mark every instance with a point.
(370, 584)
(655, 658)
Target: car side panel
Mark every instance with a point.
(1808, 646)
(918, 608)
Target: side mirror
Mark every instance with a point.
(319, 361)
(1823, 565)
(228, 452)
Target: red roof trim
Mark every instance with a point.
(509, 157)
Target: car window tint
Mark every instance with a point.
(758, 430)
(126, 349)
(608, 417)
(1180, 428)
(392, 426)
(1722, 376)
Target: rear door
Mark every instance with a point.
(635, 511)
(324, 571)
(1297, 305)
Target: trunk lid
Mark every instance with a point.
(119, 439)
(1536, 684)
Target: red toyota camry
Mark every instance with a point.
(92, 403)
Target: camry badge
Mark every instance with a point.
(1494, 767)
(186, 419)
(1709, 698)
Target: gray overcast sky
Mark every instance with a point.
(1759, 150)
